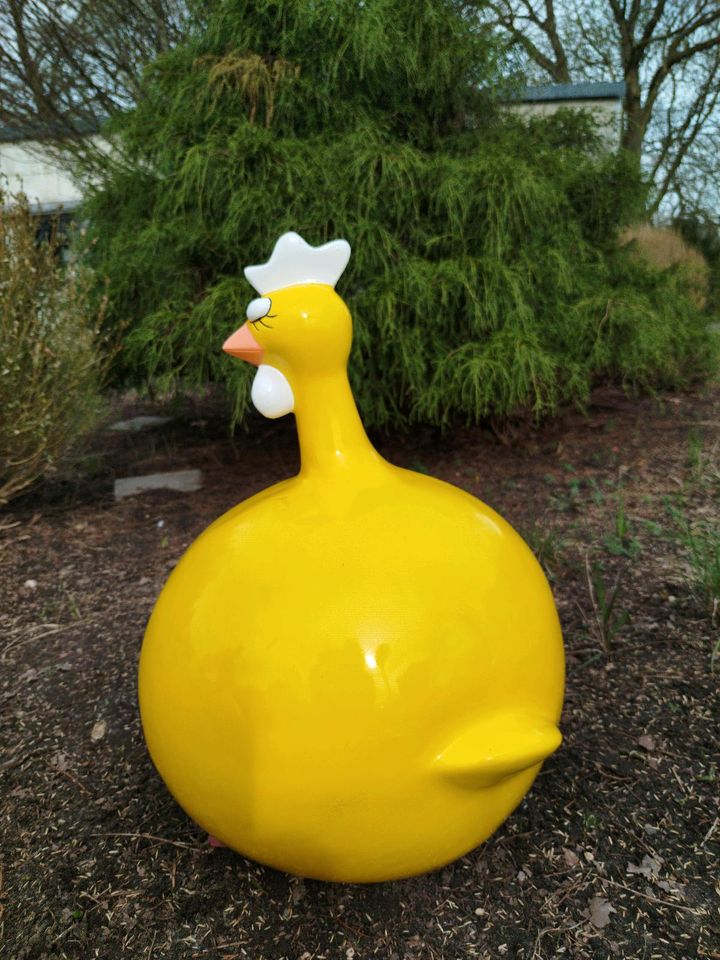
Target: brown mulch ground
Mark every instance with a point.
(612, 854)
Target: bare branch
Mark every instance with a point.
(527, 28)
(687, 133)
(69, 63)
(666, 53)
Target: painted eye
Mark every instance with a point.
(258, 308)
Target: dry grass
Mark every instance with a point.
(664, 247)
(51, 358)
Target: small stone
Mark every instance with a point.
(31, 584)
(98, 731)
(184, 481)
(646, 742)
(136, 424)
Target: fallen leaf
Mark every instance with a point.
(646, 742)
(649, 867)
(98, 730)
(59, 761)
(671, 886)
(571, 859)
(599, 912)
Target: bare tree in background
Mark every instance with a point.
(66, 64)
(668, 54)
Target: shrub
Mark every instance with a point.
(49, 367)
(666, 248)
(702, 231)
(486, 278)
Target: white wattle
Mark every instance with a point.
(271, 394)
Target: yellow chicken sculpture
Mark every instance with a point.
(356, 674)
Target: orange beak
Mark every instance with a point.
(243, 344)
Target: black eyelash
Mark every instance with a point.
(262, 321)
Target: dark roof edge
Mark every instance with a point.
(53, 207)
(13, 132)
(571, 91)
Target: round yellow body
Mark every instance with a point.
(316, 651)
(356, 674)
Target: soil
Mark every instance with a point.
(612, 854)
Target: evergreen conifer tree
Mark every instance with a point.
(485, 277)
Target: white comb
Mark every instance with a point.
(294, 261)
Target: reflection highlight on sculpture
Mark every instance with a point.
(356, 674)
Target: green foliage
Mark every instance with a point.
(49, 370)
(699, 538)
(548, 546)
(697, 531)
(485, 279)
(622, 542)
(608, 618)
(702, 540)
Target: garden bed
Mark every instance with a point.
(610, 855)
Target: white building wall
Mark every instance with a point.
(607, 114)
(26, 167)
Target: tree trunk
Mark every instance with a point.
(635, 121)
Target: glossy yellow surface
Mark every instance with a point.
(356, 674)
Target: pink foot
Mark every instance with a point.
(214, 842)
